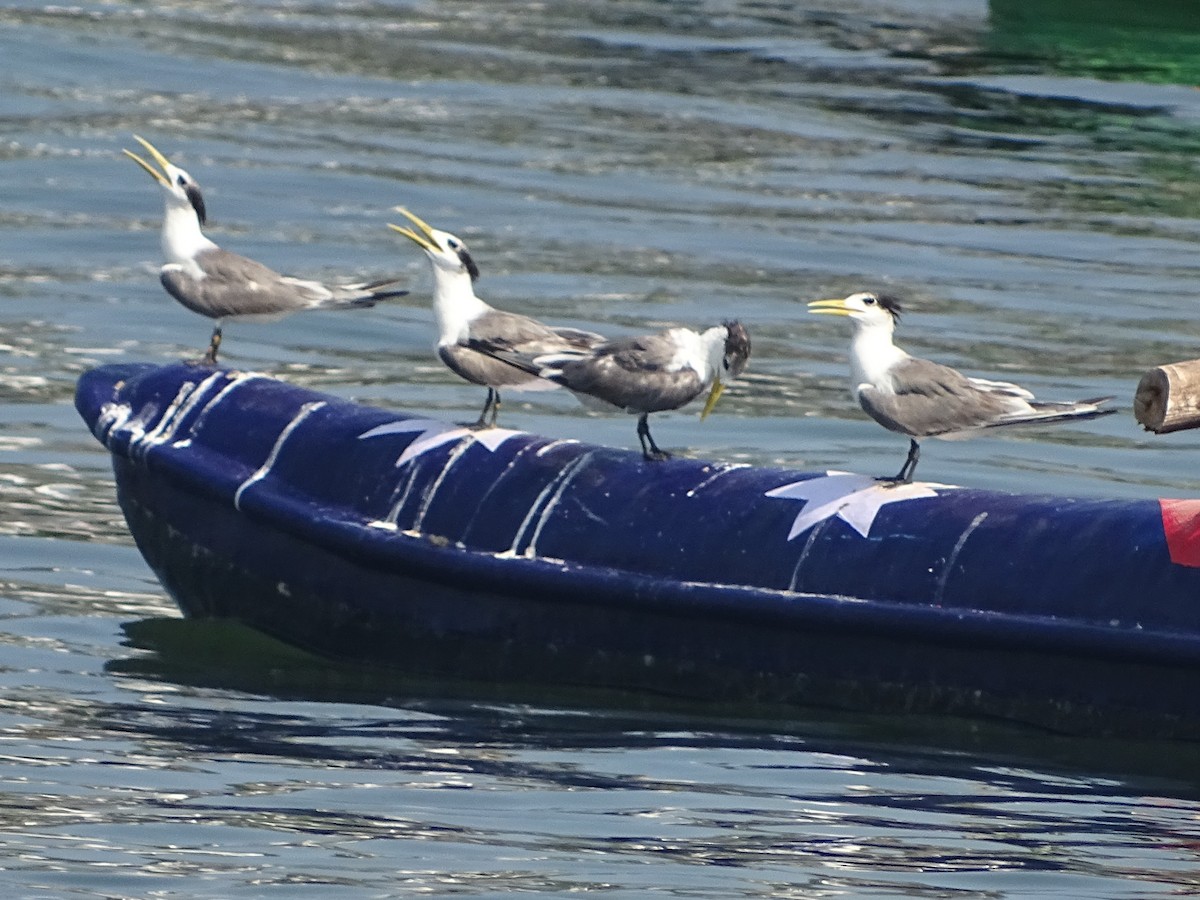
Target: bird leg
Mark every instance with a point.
(904, 476)
(490, 406)
(650, 450)
(210, 358)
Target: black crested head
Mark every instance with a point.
(197, 200)
(737, 346)
(465, 258)
(891, 303)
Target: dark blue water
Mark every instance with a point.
(620, 166)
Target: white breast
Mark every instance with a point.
(455, 306)
(872, 356)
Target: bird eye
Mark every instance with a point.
(869, 300)
(452, 244)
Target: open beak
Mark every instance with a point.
(423, 238)
(160, 177)
(829, 307)
(714, 395)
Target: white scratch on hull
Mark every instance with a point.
(542, 451)
(140, 439)
(808, 544)
(186, 399)
(455, 455)
(119, 417)
(261, 472)
(234, 381)
(542, 496)
(410, 480)
(953, 557)
(429, 435)
(722, 470)
(482, 502)
(112, 416)
(566, 477)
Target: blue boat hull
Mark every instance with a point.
(377, 537)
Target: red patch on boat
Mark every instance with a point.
(1181, 523)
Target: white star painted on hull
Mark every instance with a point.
(432, 434)
(855, 499)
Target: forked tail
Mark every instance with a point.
(1047, 413)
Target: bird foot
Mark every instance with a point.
(655, 455)
(892, 481)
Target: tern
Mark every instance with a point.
(648, 373)
(222, 285)
(920, 398)
(473, 336)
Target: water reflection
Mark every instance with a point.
(295, 765)
(1148, 42)
(437, 780)
(221, 654)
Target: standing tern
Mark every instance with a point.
(472, 335)
(649, 373)
(223, 285)
(920, 398)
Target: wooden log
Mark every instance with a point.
(1168, 398)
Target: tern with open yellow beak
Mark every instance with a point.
(222, 285)
(920, 398)
(471, 333)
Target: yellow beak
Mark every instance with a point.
(713, 396)
(829, 307)
(425, 239)
(158, 158)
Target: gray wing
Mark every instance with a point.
(931, 399)
(502, 346)
(634, 374)
(493, 338)
(235, 286)
(578, 339)
(497, 330)
(489, 367)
